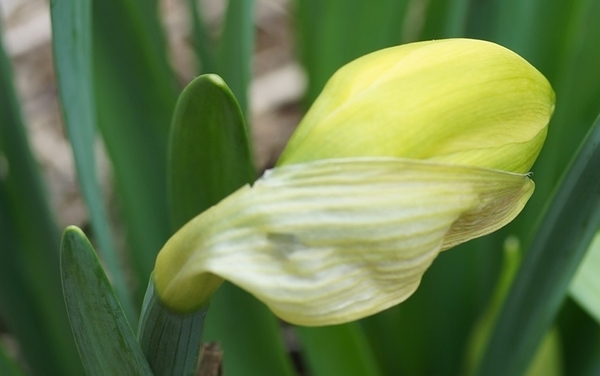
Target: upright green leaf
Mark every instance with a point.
(209, 159)
(547, 269)
(236, 48)
(30, 292)
(135, 95)
(232, 57)
(201, 38)
(106, 344)
(209, 155)
(547, 360)
(72, 43)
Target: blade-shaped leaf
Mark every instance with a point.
(29, 243)
(201, 38)
(209, 155)
(135, 95)
(210, 158)
(235, 49)
(72, 43)
(547, 269)
(106, 344)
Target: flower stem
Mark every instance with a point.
(170, 341)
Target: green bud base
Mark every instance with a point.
(170, 341)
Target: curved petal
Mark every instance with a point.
(332, 241)
(459, 101)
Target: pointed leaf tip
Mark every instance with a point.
(104, 339)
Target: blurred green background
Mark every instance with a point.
(118, 81)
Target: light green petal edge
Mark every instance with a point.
(585, 287)
(333, 241)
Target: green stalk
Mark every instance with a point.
(170, 341)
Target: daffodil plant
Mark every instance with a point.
(332, 261)
(407, 152)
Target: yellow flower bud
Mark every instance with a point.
(407, 152)
(459, 101)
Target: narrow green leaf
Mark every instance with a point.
(210, 158)
(209, 155)
(170, 341)
(547, 360)
(72, 44)
(481, 330)
(29, 242)
(547, 269)
(201, 38)
(135, 95)
(343, 350)
(236, 48)
(106, 344)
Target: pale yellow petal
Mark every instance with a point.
(333, 241)
(460, 101)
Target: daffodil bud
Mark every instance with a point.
(407, 152)
(459, 101)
